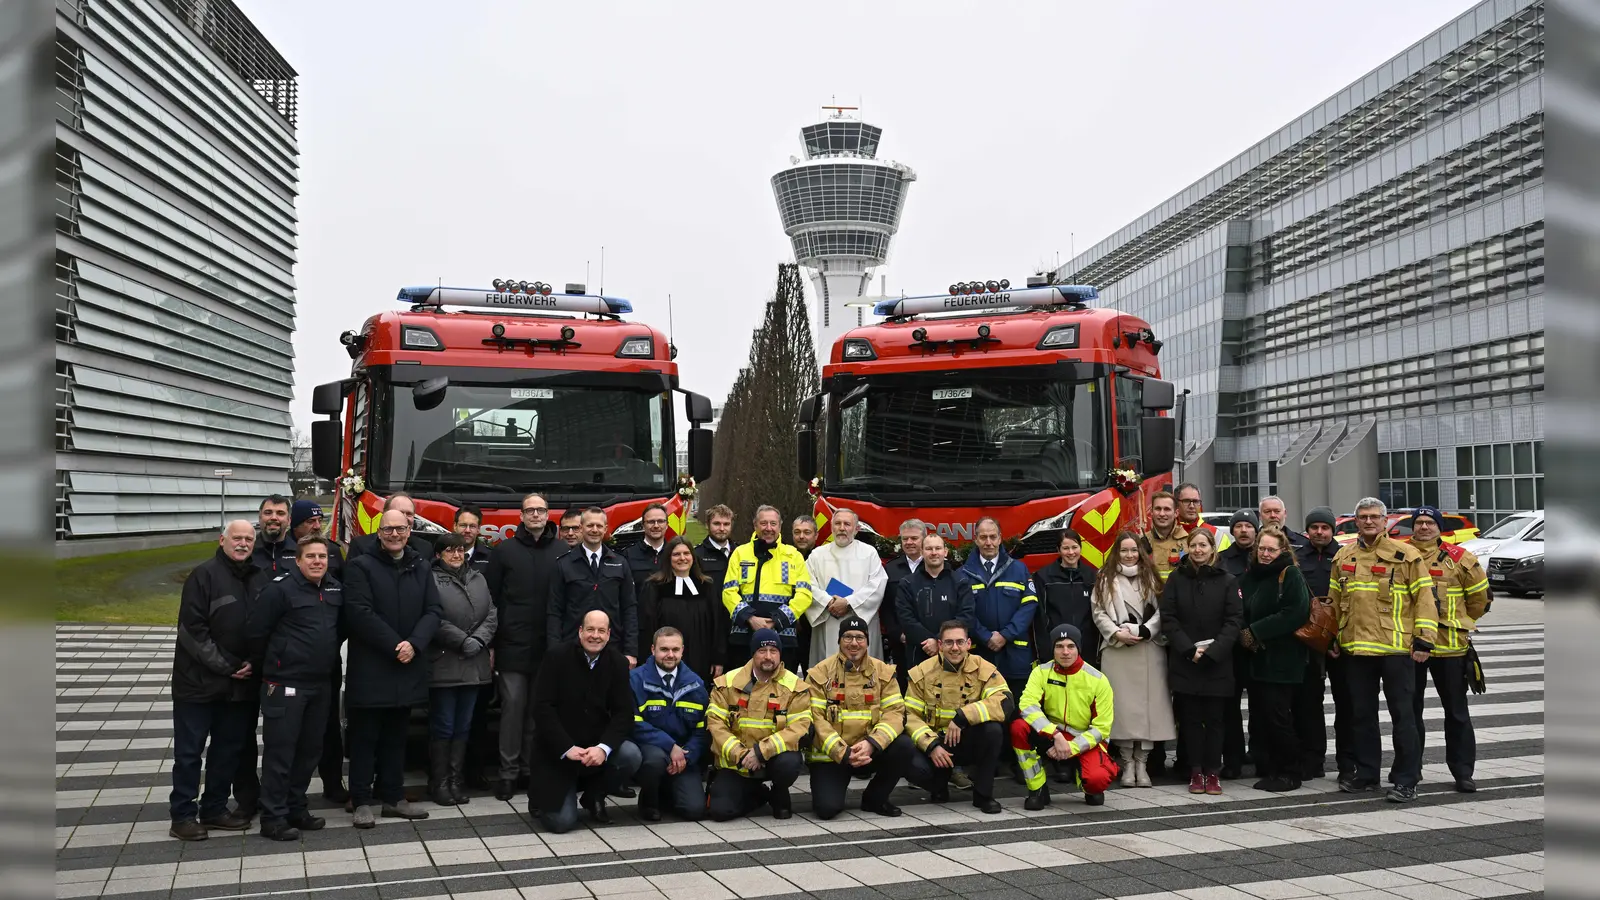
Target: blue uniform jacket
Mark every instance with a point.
(664, 719)
(1005, 604)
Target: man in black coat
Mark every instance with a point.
(1315, 558)
(520, 571)
(294, 639)
(274, 549)
(391, 612)
(908, 560)
(469, 524)
(644, 558)
(714, 551)
(593, 576)
(585, 709)
(1235, 560)
(933, 594)
(370, 545)
(305, 520)
(213, 687)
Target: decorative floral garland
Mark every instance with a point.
(686, 486)
(1126, 481)
(814, 488)
(353, 484)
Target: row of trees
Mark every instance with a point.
(755, 438)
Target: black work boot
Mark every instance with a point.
(458, 763)
(439, 773)
(1038, 798)
(188, 830)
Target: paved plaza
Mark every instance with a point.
(113, 745)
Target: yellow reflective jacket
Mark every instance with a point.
(1384, 598)
(1080, 703)
(851, 704)
(935, 694)
(770, 717)
(782, 596)
(1461, 590)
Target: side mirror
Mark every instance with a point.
(430, 393)
(805, 454)
(700, 443)
(810, 408)
(1158, 394)
(328, 399)
(697, 407)
(327, 448)
(1158, 438)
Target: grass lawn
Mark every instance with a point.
(694, 531)
(139, 587)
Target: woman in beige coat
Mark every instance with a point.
(1126, 611)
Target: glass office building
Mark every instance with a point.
(176, 172)
(1377, 263)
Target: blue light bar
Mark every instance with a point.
(1049, 295)
(480, 298)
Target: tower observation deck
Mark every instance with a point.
(840, 207)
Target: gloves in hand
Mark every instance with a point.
(471, 647)
(1247, 639)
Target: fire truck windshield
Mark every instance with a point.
(509, 439)
(993, 432)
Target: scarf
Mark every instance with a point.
(1070, 670)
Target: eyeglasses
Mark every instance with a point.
(541, 510)
(452, 550)
(655, 521)
(570, 528)
(394, 529)
(1190, 502)
(953, 642)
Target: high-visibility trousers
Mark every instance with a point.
(1095, 767)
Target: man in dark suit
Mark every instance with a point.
(907, 561)
(468, 524)
(369, 545)
(593, 576)
(584, 707)
(715, 550)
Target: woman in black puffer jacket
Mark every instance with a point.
(1201, 603)
(1064, 588)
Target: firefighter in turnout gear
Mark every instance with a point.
(1461, 590)
(956, 708)
(758, 716)
(1164, 542)
(858, 717)
(767, 586)
(1383, 596)
(1066, 713)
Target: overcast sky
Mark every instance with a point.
(473, 140)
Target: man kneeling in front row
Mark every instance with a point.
(758, 715)
(584, 708)
(956, 704)
(857, 714)
(1066, 714)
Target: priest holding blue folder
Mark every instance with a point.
(848, 579)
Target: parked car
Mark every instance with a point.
(1516, 566)
(1512, 528)
(1218, 519)
(1453, 530)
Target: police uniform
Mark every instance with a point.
(294, 626)
(1383, 596)
(973, 695)
(770, 717)
(1461, 590)
(1075, 702)
(851, 703)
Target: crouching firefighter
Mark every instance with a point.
(759, 715)
(1066, 714)
(858, 717)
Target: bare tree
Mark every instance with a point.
(755, 438)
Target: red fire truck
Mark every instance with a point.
(1022, 404)
(483, 395)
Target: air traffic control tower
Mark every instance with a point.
(840, 207)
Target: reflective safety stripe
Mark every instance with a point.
(684, 704)
(1020, 643)
(990, 692)
(801, 717)
(638, 718)
(779, 745)
(1382, 649)
(831, 741)
(947, 714)
(916, 704)
(892, 702)
(649, 703)
(818, 703)
(700, 724)
(1474, 588)
(864, 715)
(885, 729)
(720, 712)
(920, 733)
(757, 723)
(727, 749)
(1011, 584)
(1032, 768)
(983, 713)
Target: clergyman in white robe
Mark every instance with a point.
(856, 565)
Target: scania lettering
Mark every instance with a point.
(482, 396)
(1015, 404)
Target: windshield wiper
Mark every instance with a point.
(1019, 483)
(883, 483)
(457, 484)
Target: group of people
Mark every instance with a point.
(709, 676)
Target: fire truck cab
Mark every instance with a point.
(480, 396)
(992, 401)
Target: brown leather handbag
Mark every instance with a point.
(1321, 629)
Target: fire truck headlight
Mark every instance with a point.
(1061, 337)
(993, 286)
(414, 338)
(955, 289)
(858, 349)
(983, 331)
(638, 348)
(1005, 284)
(499, 284)
(567, 333)
(499, 330)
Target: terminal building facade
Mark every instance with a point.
(1356, 304)
(176, 174)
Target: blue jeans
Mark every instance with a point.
(688, 794)
(228, 725)
(619, 767)
(450, 712)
